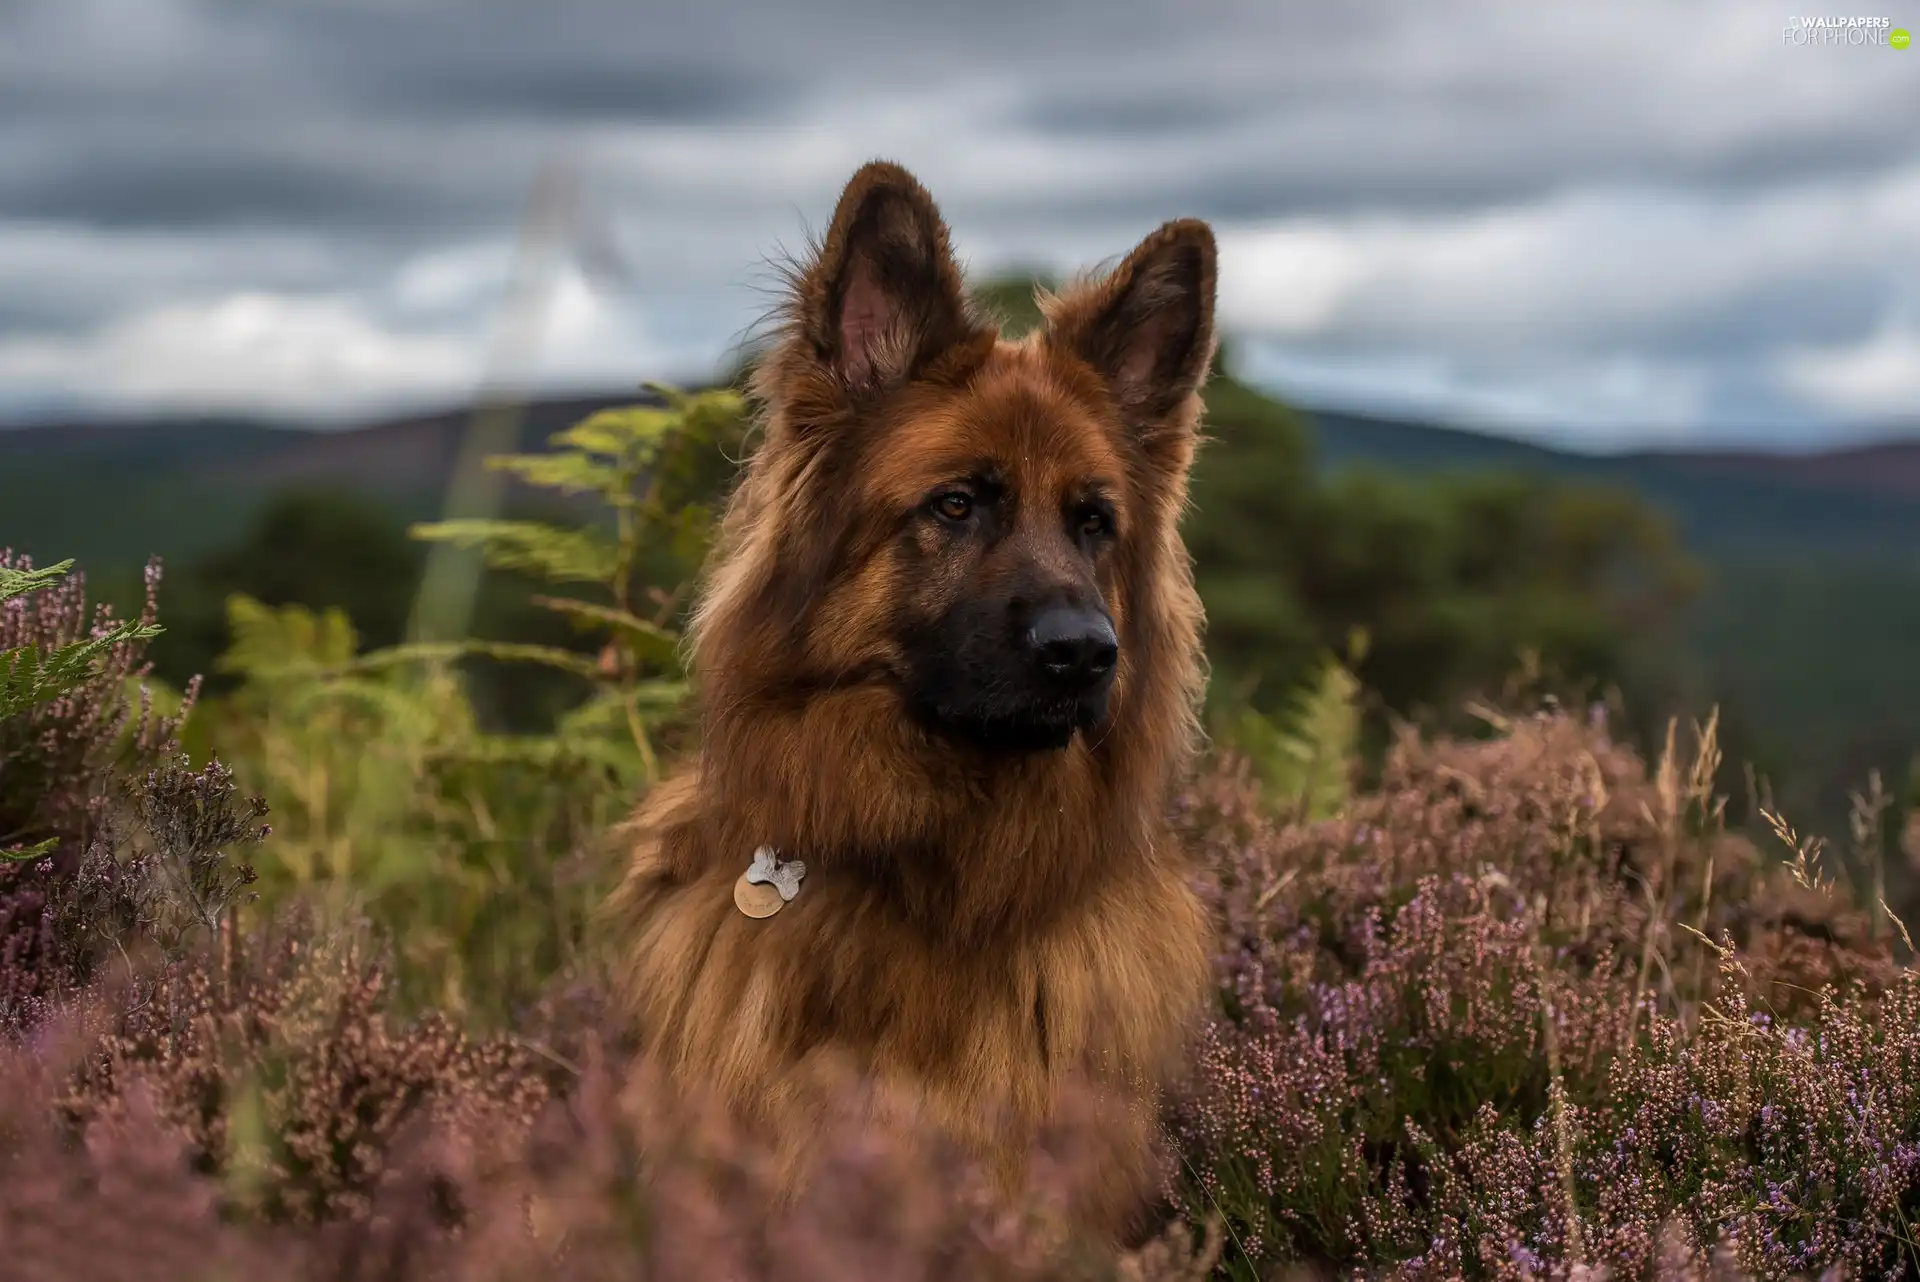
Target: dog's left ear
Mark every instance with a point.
(1147, 328)
(883, 298)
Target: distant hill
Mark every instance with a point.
(1862, 501)
(1891, 468)
(110, 493)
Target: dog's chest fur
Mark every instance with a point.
(981, 1033)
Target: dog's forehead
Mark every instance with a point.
(1012, 417)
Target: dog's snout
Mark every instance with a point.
(1074, 646)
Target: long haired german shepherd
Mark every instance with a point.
(949, 663)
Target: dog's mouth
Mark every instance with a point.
(1031, 728)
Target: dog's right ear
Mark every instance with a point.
(883, 299)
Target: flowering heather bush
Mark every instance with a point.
(1475, 1026)
(286, 1068)
(110, 831)
(60, 756)
(157, 873)
(283, 1120)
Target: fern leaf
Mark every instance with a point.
(719, 402)
(1306, 759)
(660, 696)
(628, 434)
(271, 641)
(570, 473)
(1325, 739)
(447, 651)
(21, 854)
(647, 640)
(555, 554)
(30, 677)
(16, 582)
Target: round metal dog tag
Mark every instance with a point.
(756, 898)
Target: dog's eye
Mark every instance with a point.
(1095, 524)
(955, 506)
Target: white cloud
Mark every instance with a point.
(469, 276)
(328, 356)
(95, 273)
(1588, 405)
(1603, 316)
(1875, 378)
(1581, 270)
(282, 353)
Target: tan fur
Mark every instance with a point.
(973, 933)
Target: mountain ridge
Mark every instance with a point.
(1889, 464)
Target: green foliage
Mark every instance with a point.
(30, 675)
(474, 849)
(1306, 760)
(1454, 578)
(311, 546)
(559, 556)
(1010, 297)
(44, 668)
(327, 549)
(659, 471)
(390, 801)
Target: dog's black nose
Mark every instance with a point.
(1075, 647)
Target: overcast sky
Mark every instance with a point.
(1602, 223)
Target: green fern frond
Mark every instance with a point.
(448, 651)
(30, 676)
(627, 434)
(570, 473)
(271, 641)
(17, 582)
(704, 414)
(659, 696)
(1306, 758)
(21, 854)
(555, 554)
(646, 640)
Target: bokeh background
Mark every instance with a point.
(1578, 343)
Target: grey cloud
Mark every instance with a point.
(364, 138)
(108, 187)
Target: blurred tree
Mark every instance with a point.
(1010, 297)
(321, 548)
(1455, 578)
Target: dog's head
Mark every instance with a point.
(971, 521)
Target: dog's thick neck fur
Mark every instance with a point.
(968, 846)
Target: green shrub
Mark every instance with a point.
(479, 853)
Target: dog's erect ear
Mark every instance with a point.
(883, 298)
(1147, 328)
